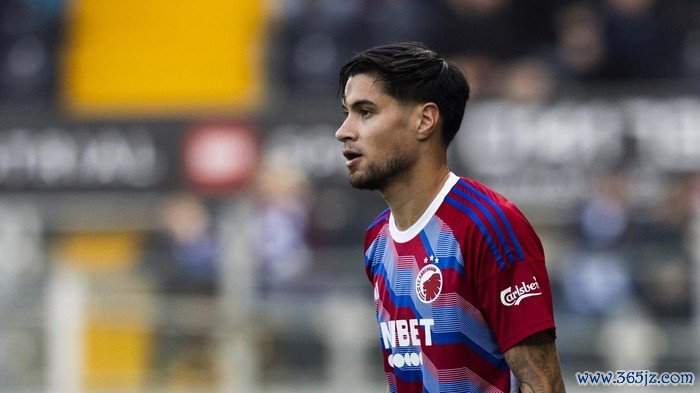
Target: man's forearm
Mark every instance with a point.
(536, 365)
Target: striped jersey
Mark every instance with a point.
(456, 290)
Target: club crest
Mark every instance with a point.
(429, 283)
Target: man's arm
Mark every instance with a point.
(536, 365)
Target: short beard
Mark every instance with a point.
(379, 175)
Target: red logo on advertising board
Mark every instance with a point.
(219, 158)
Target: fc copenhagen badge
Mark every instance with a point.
(429, 283)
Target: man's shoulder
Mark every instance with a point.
(383, 216)
(377, 223)
(495, 219)
(380, 218)
(476, 207)
(469, 195)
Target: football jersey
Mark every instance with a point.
(456, 290)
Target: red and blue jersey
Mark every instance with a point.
(456, 290)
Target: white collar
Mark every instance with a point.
(400, 236)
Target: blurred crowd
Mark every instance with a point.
(631, 274)
(524, 50)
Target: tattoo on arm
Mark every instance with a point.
(536, 365)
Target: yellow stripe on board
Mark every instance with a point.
(119, 250)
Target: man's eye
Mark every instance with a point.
(364, 112)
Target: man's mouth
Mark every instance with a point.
(351, 156)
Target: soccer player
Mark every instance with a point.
(461, 292)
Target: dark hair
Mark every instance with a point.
(410, 72)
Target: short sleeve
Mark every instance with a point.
(514, 293)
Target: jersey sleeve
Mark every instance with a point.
(511, 281)
(369, 248)
(373, 236)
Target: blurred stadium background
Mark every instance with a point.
(174, 213)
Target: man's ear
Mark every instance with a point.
(429, 118)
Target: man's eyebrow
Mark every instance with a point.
(359, 103)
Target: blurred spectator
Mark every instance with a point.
(604, 219)
(484, 27)
(314, 37)
(529, 80)
(480, 36)
(280, 230)
(581, 53)
(666, 266)
(644, 38)
(483, 73)
(401, 20)
(183, 262)
(598, 282)
(184, 256)
(29, 44)
(691, 42)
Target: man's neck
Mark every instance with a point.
(409, 196)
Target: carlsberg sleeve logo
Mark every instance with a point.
(513, 295)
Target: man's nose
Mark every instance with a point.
(345, 132)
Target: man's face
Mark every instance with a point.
(375, 134)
